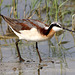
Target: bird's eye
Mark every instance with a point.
(58, 26)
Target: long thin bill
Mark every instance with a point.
(68, 29)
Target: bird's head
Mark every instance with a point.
(56, 26)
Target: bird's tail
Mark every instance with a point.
(1, 15)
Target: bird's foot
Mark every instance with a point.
(21, 59)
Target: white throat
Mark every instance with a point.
(56, 28)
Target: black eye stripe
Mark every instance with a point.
(55, 25)
(58, 26)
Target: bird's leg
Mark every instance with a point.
(20, 58)
(38, 52)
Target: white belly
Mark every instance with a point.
(31, 35)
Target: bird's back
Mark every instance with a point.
(24, 24)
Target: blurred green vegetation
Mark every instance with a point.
(46, 11)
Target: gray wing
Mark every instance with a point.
(25, 24)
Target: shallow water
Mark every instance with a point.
(63, 54)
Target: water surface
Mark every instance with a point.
(61, 51)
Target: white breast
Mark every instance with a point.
(30, 35)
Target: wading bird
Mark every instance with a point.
(32, 30)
